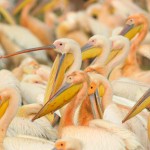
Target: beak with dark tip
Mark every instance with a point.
(129, 31)
(49, 47)
(90, 51)
(142, 103)
(62, 97)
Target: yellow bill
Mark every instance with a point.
(148, 126)
(112, 55)
(95, 100)
(88, 51)
(142, 103)
(129, 31)
(3, 107)
(60, 66)
(7, 16)
(62, 97)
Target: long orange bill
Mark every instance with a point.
(30, 50)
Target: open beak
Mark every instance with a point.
(30, 50)
(61, 64)
(89, 51)
(7, 16)
(20, 6)
(62, 97)
(96, 105)
(3, 106)
(142, 103)
(129, 31)
(96, 102)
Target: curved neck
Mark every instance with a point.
(68, 116)
(100, 60)
(118, 59)
(9, 114)
(25, 12)
(108, 94)
(131, 59)
(77, 62)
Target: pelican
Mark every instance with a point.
(137, 23)
(117, 54)
(30, 66)
(9, 106)
(69, 61)
(114, 112)
(21, 124)
(143, 102)
(77, 82)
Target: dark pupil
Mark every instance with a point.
(60, 43)
(91, 87)
(94, 16)
(61, 144)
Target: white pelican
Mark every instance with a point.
(21, 124)
(115, 55)
(114, 112)
(103, 137)
(9, 105)
(136, 23)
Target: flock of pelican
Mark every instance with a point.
(74, 81)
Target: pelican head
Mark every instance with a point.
(96, 91)
(68, 144)
(119, 50)
(73, 84)
(95, 46)
(134, 24)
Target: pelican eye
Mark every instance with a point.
(61, 144)
(69, 79)
(60, 44)
(94, 16)
(130, 22)
(93, 41)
